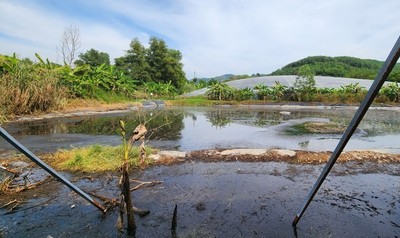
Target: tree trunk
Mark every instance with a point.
(125, 189)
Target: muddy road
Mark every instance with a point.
(224, 199)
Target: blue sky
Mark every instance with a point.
(214, 36)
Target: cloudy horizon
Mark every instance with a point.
(214, 37)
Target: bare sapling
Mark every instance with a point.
(126, 203)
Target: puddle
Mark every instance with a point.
(230, 199)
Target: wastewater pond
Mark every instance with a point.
(188, 129)
(226, 199)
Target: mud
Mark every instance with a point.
(229, 199)
(277, 155)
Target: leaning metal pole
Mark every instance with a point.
(373, 91)
(10, 139)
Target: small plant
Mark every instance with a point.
(220, 91)
(305, 83)
(160, 89)
(263, 91)
(124, 183)
(278, 90)
(353, 88)
(391, 91)
(244, 94)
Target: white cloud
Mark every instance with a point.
(217, 37)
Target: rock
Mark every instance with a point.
(284, 113)
(168, 154)
(175, 154)
(284, 153)
(159, 103)
(200, 206)
(149, 104)
(243, 152)
(155, 103)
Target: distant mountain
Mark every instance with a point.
(229, 77)
(219, 78)
(343, 66)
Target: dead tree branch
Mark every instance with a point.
(144, 184)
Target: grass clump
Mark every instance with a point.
(95, 158)
(315, 128)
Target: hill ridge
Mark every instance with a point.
(339, 66)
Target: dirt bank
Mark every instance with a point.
(81, 108)
(265, 155)
(25, 175)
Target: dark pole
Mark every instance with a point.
(373, 91)
(49, 169)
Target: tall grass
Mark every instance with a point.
(26, 88)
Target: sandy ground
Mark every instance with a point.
(82, 108)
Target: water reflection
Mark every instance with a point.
(161, 124)
(217, 127)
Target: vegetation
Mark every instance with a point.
(344, 66)
(90, 82)
(28, 87)
(190, 101)
(157, 64)
(207, 82)
(93, 58)
(305, 83)
(315, 128)
(156, 72)
(221, 91)
(303, 90)
(95, 158)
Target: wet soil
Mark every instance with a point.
(223, 199)
(277, 155)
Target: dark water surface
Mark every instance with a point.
(189, 129)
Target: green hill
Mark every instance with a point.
(343, 66)
(218, 78)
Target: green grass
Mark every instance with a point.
(315, 128)
(190, 101)
(111, 97)
(95, 158)
(201, 101)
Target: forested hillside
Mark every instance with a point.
(343, 66)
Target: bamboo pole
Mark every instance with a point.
(373, 91)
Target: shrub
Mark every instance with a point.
(305, 83)
(244, 94)
(391, 91)
(220, 91)
(263, 92)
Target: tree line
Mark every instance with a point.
(155, 64)
(343, 66)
